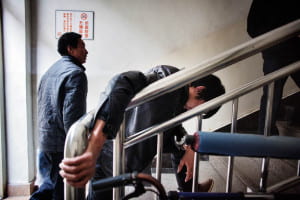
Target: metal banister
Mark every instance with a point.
(246, 88)
(229, 57)
(233, 129)
(230, 96)
(205, 68)
(75, 144)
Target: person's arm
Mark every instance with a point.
(188, 161)
(78, 170)
(188, 158)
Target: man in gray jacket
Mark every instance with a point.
(61, 101)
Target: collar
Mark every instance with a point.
(73, 60)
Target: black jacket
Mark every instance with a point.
(265, 16)
(157, 110)
(152, 113)
(115, 99)
(61, 101)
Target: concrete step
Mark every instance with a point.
(246, 172)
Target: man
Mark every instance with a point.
(61, 101)
(113, 103)
(263, 17)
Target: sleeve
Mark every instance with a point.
(177, 131)
(74, 104)
(115, 99)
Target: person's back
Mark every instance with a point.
(61, 101)
(53, 87)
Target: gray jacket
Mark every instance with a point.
(61, 101)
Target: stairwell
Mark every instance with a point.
(246, 171)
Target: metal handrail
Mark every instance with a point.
(229, 57)
(205, 68)
(246, 88)
(181, 78)
(230, 96)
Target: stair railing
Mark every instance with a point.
(216, 63)
(188, 75)
(209, 105)
(203, 108)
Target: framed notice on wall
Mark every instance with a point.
(81, 22)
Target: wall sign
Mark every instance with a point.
(81, 22)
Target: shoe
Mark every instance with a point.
(206, 186)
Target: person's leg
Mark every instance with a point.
(278, 89)
(296, 77)
(56, 178)
(295, 117)
(271, 65)
(46, 189)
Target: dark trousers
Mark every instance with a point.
(271, 65)
(104, 170)
(52, 187)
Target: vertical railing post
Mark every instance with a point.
(196, 159)
(119, 160)
(231, 158)
(298, 168)
(267, 129)
(75, 145)
(159, 150)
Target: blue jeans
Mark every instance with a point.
(52, 187)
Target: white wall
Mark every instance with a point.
(130, 35)
(138, 35)
(17, 72)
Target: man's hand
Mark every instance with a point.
(188, 161)
(78, 170)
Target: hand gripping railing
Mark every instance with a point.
(188, 75)
(75, 144)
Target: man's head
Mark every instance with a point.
(71, 44)
(203, 90)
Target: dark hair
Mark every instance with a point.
(213, 89)
(67, 39)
